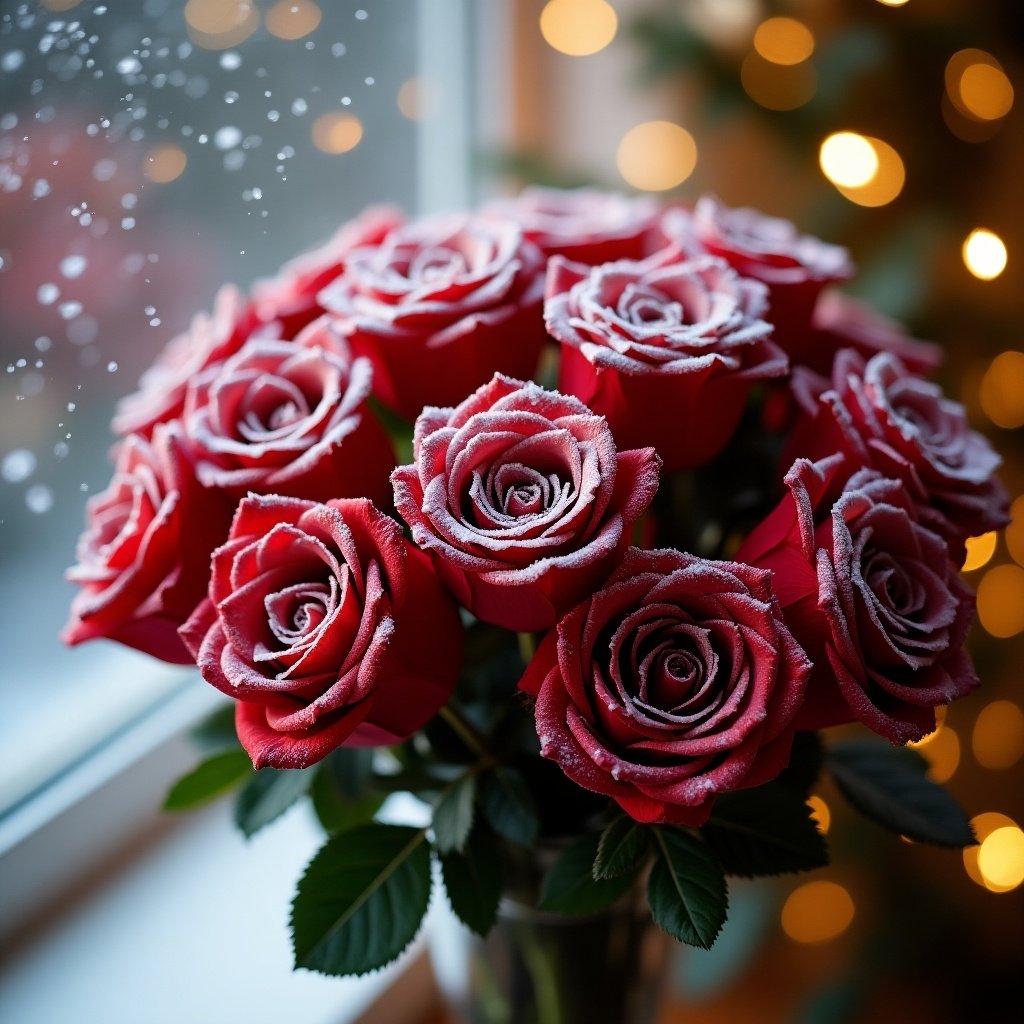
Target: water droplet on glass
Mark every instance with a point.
(39, 499)
(227, 137)
(230, 96)
(72, 406)
(127, 223)
(338, 49)
(69, 310)
(61, 450)
(361, 15)
(47, 294)
(230, 61)
(299, 107)
(73, 266)
(43, 344)
(17, 465)
(12, 61)
(112, 366)
(128, 66)
(41, 188)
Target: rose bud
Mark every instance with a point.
(666, 349)
(290, 418)
(288, 299)
(208, 342)
(884, 417)
(439, 306)
(674, 683)
(871, 594)
(585, 225)
(522, 500)
(794, 267)
(327, 627)
(144, 559)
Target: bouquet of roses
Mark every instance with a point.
(578, 517)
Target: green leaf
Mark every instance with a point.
(216, 732)
(361, 900)
(888, 785)
(473, 880)
(621, 846)
(686, 891)
(268, 794)
(351, 770)
(453, 814)
(764, 831)
(570, 887)
(805, 760)
(334, 810)
(508, 805)
(211, 778)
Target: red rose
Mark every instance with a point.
(584, 224)
(144, 559)
(439, 306)
(289, 418)
(795, 267)
(522, 500)
(666, 349)
(208, 341)
(872, 596)
(674, 683)
(884, 417)
(327, 627)
(288, 300)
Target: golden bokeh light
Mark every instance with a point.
(885, 184)
(1002, 391)
(784, 41)
(998, 737)
(1014, 533)
(164, 163)
(656, 155)
(292, 19)
(984, 825)
(977, 85)
(778, 86)
(941, 749)
(820, 813)
(578, 27)
(1001, 600)
(893, 3)
(1001, 859)
(337, 132)
(220, 24)
(848, 159)
(817, 912)
(984, 254)
(417, 98)
(979, 550)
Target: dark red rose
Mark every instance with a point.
(327, 627)
(283, 417)
(439, 306)
(795, 267)
(288, 299)
(667, 349)
(676, 682)
(585, 225)
(144, 559)
(871, 594)
(885, 417)
(522, 500)
(209, 340)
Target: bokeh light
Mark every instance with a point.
(1001, 859)
(337, 132)
(984, 254)
(578, 27)
(1002, 390)
(848, 159)
(984, 825)
(893, 3)
(941, 749)
(162, 164)
(1014, 533)
(998, 737)
(778, 86)
(292, 19)
(821, 813)
(977, 85)
(817, 912)
(417, 98)
(979, 550)
(657, 155)
(1001, 600)
(220, 24)
(784, 41)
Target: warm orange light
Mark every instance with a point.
(984, 825)
(164, 163)
(417, 98)
(219, 24)
(1002, 390)
(337, 132)
(984, 254)
(866, 170)
(941, 749)
(979, 550)
(1001, 600)
(1001, 859)
(998, 736)
(657, 155)
(578, 27)
(977, 85)
(783, 41)
(778, 86)
(817, 912)
(293, 19)
(820, 813)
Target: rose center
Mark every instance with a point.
(295, 613)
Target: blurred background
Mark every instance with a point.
(150, 152)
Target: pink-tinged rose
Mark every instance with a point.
(439, 306)
(841, 321)
(667, 349)
(795, 267)
(289, 418)
(209, 340)
(522, 500)
(885, 417)
(674, 683)
(144, 558)
(871, 594)
(585, 225)
(288, 299)
(328, 628)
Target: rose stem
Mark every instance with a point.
(465, 730)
